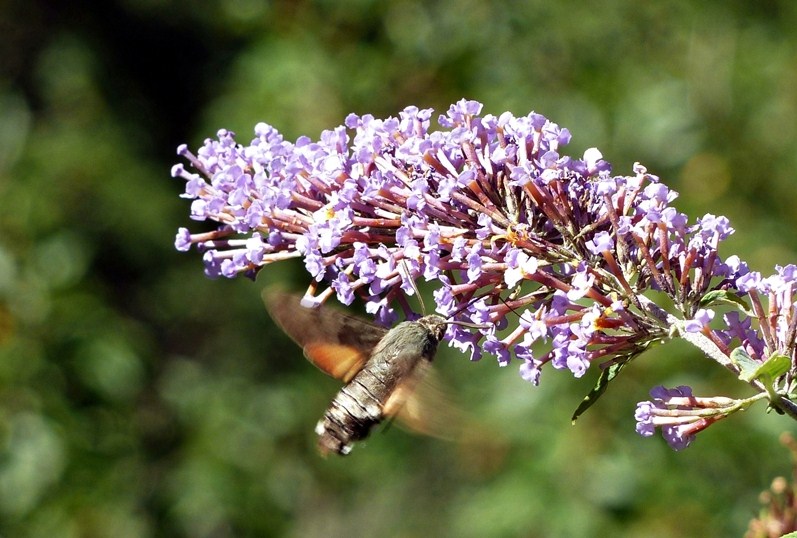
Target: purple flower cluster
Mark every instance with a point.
(487, 207)
(679, 414)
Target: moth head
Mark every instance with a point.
(436, 326)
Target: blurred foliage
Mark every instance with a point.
(138, 398)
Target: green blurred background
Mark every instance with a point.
(138, 398)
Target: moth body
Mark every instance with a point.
(385, 373)
(376, 390)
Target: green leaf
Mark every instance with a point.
(750, 369)
(726, 297)
(775, 366)
(600, 387)
(748, 366)
(790, 535)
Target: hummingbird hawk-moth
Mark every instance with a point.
(386, 372)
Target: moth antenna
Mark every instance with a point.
(520, 316)
(465, 306)
(469, 324)
(466, 323)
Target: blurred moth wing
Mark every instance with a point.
(423, 405)
(337, 343)
(385, 372)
